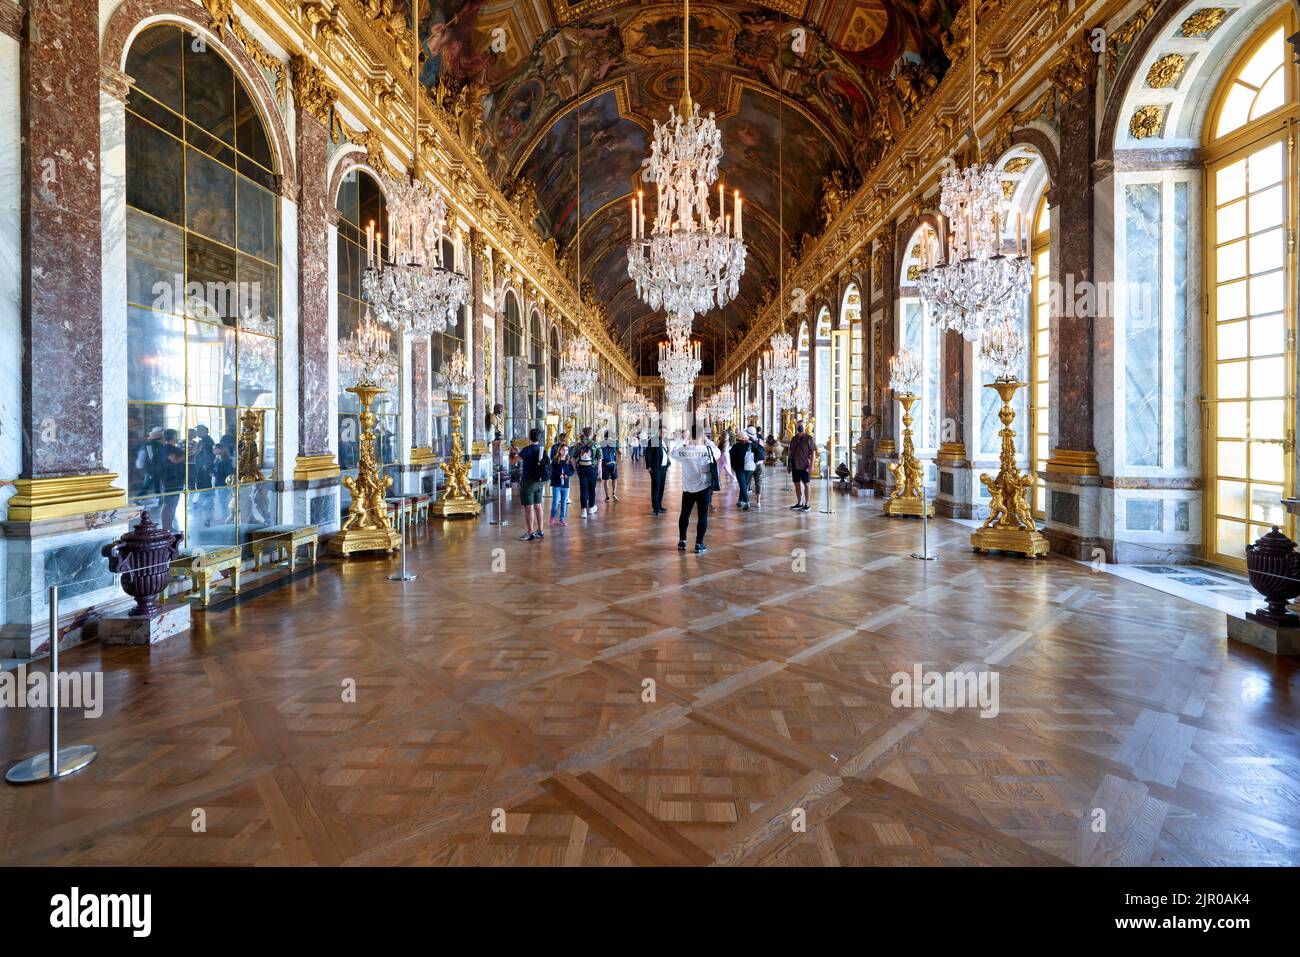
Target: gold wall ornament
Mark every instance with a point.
(908, 475)
(248, 468)
(1075, 67)
(311, 90)
(1166, 71)
(1145, 122)
(1203, 21)
(368, 527)
(457, 497)
(60, 496)
(225, 19)
(1010, 526)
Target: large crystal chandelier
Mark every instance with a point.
(694, 257)
(578, 367)
(366, 357)
(782, 368)
(679, 364)
(415, 291)
(977, 285)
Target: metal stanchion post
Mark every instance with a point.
(499, 506)
(404, 575)
(827, 476)
(56, 763)
(925, 555)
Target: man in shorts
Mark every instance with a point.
(534, 471)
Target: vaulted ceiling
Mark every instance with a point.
(823, 79)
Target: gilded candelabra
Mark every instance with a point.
(457, 497)
(908, 476)
(368, 527)
(1010, 525)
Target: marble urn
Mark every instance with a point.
(1273, 566)
(143, 558)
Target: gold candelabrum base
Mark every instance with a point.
(368, 527)
(907, 498)
(1010, 526)
(457, 498)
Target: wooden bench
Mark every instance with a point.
(205, 565)
(398, 506)
(420, 503)
(283, 538)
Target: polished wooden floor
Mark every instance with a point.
(515, 695)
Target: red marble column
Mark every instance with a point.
(1073, 212)
(63, 423)
(315, 208)
(481, 407)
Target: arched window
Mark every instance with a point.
(203, 291)
(919, 333)
(512, 348)
(825, 374)
(846, 370)
(360, 202)
(1040, 350)
(555, 359)
(536, 373)
(1250, 178)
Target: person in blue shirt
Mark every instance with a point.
(609, 466)
(561, 469)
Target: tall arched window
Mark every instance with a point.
(555, 361)
(1250, 279)
(536, 373)
(1040, 349)
(361, 202)
(512, 348)
(825, 374)
(919, 333)
(846, 368)
(203, 291)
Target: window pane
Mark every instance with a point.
(257, 371)
(154, 168)
(210, 288)
(257, 224)
(211, 364)
(210, 197)
(1267, 419)
(259, 293)
(250, 134)
(1231, 222)
(155, 263)
(1230, 182)
(156, 368)
(154, 64)
(210, 92)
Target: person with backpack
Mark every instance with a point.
(609, 466)
(760, 456)
(534, 471)
(585, 457)
(698, 460)
(561, 469)
(740, 454)
(802, 451)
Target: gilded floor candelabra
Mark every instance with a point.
(1010, 526)
(368, 527)
(457, 497)
(906, 498)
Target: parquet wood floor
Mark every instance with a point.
(502, 717)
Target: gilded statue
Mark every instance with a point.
(369, 508)
(1010, 525)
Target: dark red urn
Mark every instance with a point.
(143, 558)
(1273, 566)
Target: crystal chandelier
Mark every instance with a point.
(578, 367)
(904, 372)
(694, 257)
(366, 356)
(415, 291)
(1002, 347)
(976, 285)
(782, 368)
(679, 364)
(457, 375)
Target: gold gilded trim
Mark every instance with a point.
(423, 456)
(64, 495)
(951, 453)
(307, 468)
(1073, 462)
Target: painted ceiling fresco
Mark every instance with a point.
(827, 80)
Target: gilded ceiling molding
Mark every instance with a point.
(1118, 42)
(1203, 22)
(1166, 71)
(1145, 122)
(1075, 68)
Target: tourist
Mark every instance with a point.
(609, 466)
(802, 450)
(534, 470)
(740, 455)
(586, 455)
(171, 466)
(657, 461)
(760, 456)
(698, 458)
(561, 439)
(148, 462)
(561, 469)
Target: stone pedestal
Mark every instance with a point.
(1258, 634)
(129, 630)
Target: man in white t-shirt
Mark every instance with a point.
(696, 457)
